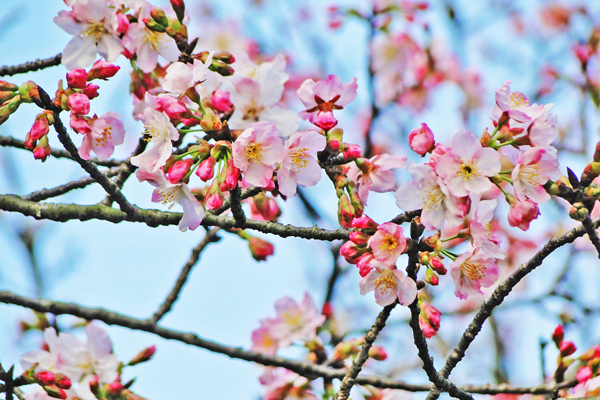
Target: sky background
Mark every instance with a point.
(130, 268)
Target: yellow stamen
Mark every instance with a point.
(254, 152)
(517, 99)
(386, 283)
(299, 159)
(473, 271)
(468, 169)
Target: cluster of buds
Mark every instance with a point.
(112, 391)
(432, 261)
(356, 250)
(175, 28)
(221, 62)
(565, 348)
(259, 248)
(37, 137)
(591, 364)
(54, 384)
(263, 208)
(12, 96)
(429, 318)
(350, 348)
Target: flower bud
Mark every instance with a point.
(364, 264)
(232, 175)
(159, 16)
(436, 264)
(359, 237)
(79, 103)
(39, 128)
(220, 101)
(211, 121)
(102, 70)
(558, 335)
(220, 68)
(365, 223)
(421, 140)
(6, 95)
(143, 355)
(351, 251)
(346, 212)
(80, 124)
(179, 8)
(214, 196)
(334, 139)
(377, 353)
(62, 381)
(29, 92)
(91, 91)
(351, 151)
(584, 374)
(264, 208)
(325, 120)
(579, 212)
(44, 378)
(567, 348)
(95, 386)
(153, 25)
(122, 23)
(224, 56)
(114, 388)
(179, 169)
(42, 151)
(55, 392)
(9, 107)
(260, 248)
(206, 169)
(521, 214)
(173, 107)
(431, 277)
(77, 78)
(429, 319)
(221, 150)
(8, 87)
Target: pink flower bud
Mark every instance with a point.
(44, 378)
(270, 186)
(62, 381)
(102, 70)
(232, 175)
(437, 265)
(431, 277)
(346, 212)
(558, 335)
(351, 251)
(359, 237)
(377, 353)
(351, 151)
(79, 124)
(143, 355)
(179, 169)
(95, 385)
(259, 248)
(584, 374)
(220, 100)
(421, 140)
(206, 169)
(363, 264)
(429, 319)
(365, 222)
(173, 107)
(179, 8)
(521, 214)
(77, 78)
(91, 91)
(39, 129)
(123, 23)
(567, 348)
(214, 196)
(42, 151)
(325, 120)
(583, 52)
(79, 103)
(264, 208)
(114, 388)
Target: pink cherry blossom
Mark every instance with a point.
(389, 285)
(473, 270)
(542, 131)
(467, 167)
(161, 131)
(482, 232)
(322, 97)
(257, 151)
(221, 101)
(94, 26)
(106, 133)
(522, 212)
(428, 192)
(298, 165)
(535, 167)
(262, 338)
(169, 193)
(388, 243)
(295, 321)
(421, 140)
(102, 70)
(148, 44)
(516, 105)
(180, 76)
(79, 103)
(77, 78)
(375, 174)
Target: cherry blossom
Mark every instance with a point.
(389, 285)
(262, 338)
(517, 106)
(322, 97)
(473, 270)
(181, 76)
(94, 26)
(169, 193)
(388, 243)
(428, 192)
(482, 232)
(161, 132)
(536, 166)
(522, 212)
(298, 165)
(421, 140)
(257, 151)
(468, 165)
(375, 174)
(295, 321)
(106, 133)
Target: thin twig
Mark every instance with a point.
(592, 234)
(306, 369)
(67, 187)
(362, 356)
(166, 306)
(7, 141)
(500, 294)
(30, 66)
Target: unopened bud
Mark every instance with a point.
(579, 212)
(377, 353)
(210, 121)
(351, 151)
(159, 16)
(55, 392)
(431, 277)
(62, 381)
(206, 169)
(153, 25)
(221, 150)
(77, 78)
(7, 86)
(365, 223)
(95, 386)
(9, 107)
(221, 68)
(179, 169)
(260, 248)
(558, 335)
(436, 264)
(567, 348)
(44, 378)
(179, 8)
(102, 70)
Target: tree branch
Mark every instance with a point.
(362, 356)
(306, 369)
(593, 235)
(31, 66)
(153, 218)
(165, 307)
(500, 294)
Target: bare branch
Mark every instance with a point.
(211, 236)
(31, 66)
(593, 235)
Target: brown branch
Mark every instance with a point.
(153, 218)
(7, 141)
(306, 369)
(165, 307)
(592, 234)
(362, 356)
(67, 187)
(235, 197)
(500, 294)
(30, 66)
